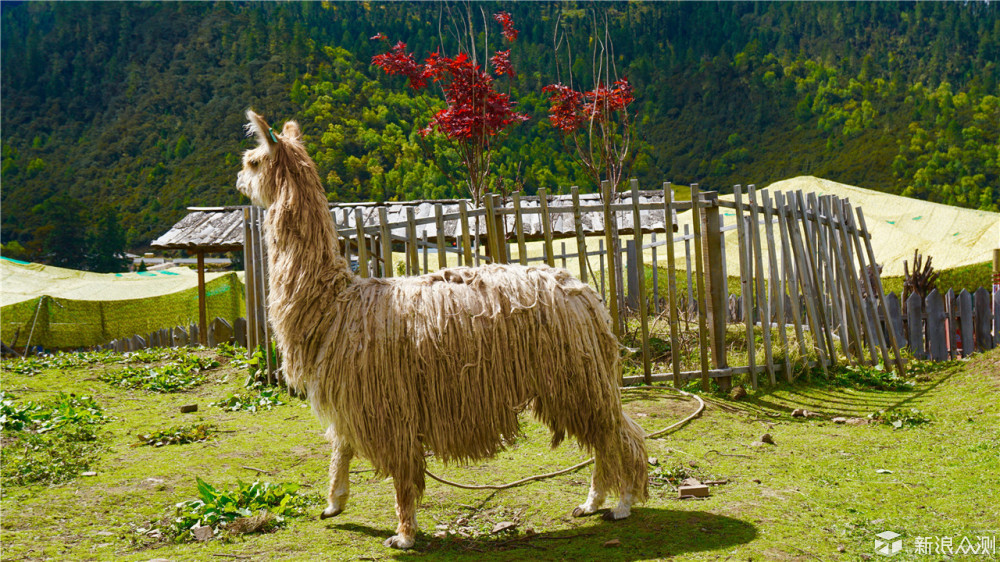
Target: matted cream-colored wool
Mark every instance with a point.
(444, 361)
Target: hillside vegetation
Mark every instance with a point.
(138, 107)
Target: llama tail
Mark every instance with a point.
(635, 472)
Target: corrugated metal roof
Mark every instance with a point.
(206, 229)
(220, 229)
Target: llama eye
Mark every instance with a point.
(253, 163)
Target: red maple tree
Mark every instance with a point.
(599, 125)
(475, 113)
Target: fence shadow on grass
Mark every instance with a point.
(649, 533)
(830, 400)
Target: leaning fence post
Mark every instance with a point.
(700, 280)
(647, 371)
(715, 284)
(668, 210)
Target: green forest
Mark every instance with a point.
(118, 116)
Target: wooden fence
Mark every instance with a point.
(949, 326)
(219, 331)
(803, 267)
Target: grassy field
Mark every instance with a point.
(79, 484)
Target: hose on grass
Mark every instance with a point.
(657, 433)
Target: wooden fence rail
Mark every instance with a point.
(803, 269)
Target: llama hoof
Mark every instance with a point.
(581, 511)
(616, 514)
(330, 512)
(399, 541)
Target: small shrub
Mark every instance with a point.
(176, 435)
(185, 372)
(899, 419)
(50, 441)
(265, 399)
(269, 503)
(867, 377)
(667, 475)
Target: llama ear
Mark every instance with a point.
(291, 130)
(259, 128)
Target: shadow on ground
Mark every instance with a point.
(648, 533)
(832, 401)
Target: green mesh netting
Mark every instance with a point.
(62, 323)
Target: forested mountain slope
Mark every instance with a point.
(138, 107)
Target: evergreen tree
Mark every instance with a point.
(107, 251)
(63, 238)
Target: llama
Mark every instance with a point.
(444, 361)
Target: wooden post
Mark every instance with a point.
(700, 279)
(675, 357)
(609, 221)
(949, 306)
(812, 274)
(655, 269)
(463, 211)
(412, 260)
(715, 284)
(499, 229)
(543, 201)
(879, 338)
(762, 300)
(383, 219)
(248, 280)
(647, 371)
(855, 284)
(359, 225)
(522, 250)
(581, 239)
(900, 367)
(914, 314)
(965, 321)
(746, 288)
(441, 247)
(805, 275)
(790, 282)
(935, 326)
(775, 281)
(202, 313)
(983, 320)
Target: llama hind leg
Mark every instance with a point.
(634, 478)
(340, 483)
(408, 491)
(595, 498)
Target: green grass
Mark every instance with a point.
(822, 486)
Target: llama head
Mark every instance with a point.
(268, 166)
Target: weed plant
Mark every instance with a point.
(223, 509)
(48, 442)
(178, 435)
(185, 372)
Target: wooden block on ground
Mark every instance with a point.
(700, 491)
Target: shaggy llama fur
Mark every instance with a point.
(444, 361)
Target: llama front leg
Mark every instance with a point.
(340, 482)
(407, 493)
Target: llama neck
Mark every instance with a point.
(304, 262)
